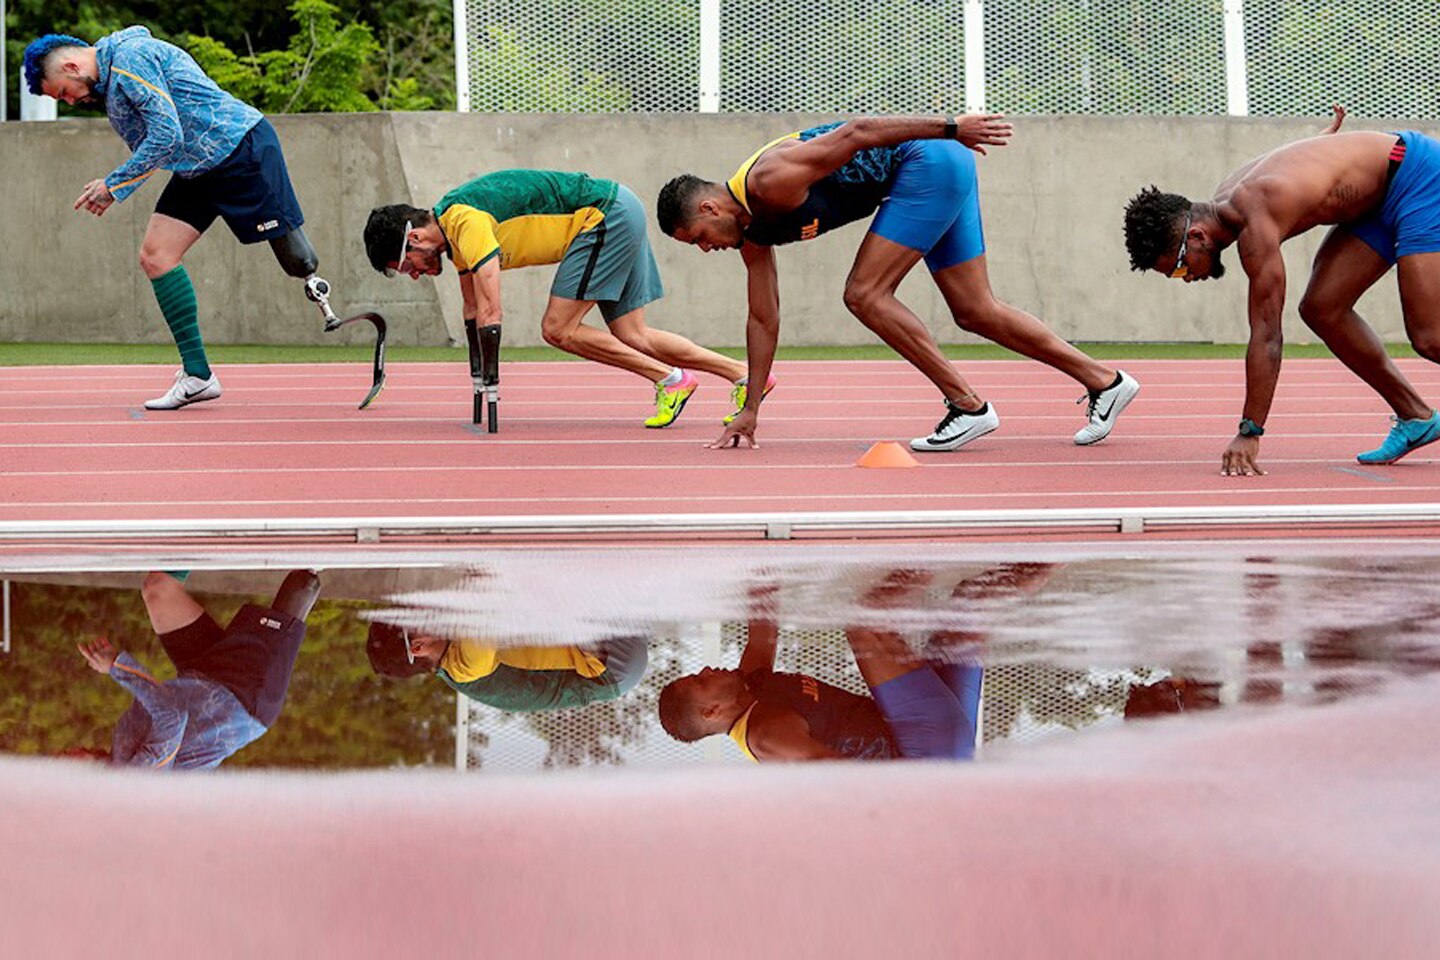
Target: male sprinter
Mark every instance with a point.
(922, 179)
(226, 163)
(522, 679)
(919, 707)
(595, 230)
(232, 681)
(1381, 191)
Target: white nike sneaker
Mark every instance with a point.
(185, 391)
(1105, 407)
(958, 428)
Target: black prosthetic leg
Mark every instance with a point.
(485, 371)
(298, 259)
(297, 594)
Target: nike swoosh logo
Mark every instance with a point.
(191, 396)
(1106, 414)
(1429, 436)
(957, 436)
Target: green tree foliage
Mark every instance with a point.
(338, 713)
(390, 54)
(320, 70)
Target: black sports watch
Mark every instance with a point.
(1249, 428)
(952, 129)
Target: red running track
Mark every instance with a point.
(287, 441)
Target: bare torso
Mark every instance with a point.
(1327, 179)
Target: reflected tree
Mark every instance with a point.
(337, 714)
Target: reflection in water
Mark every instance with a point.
(519, 679)
(590, 657)
(230, 681)
(922, 705)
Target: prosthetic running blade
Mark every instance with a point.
(378, 383)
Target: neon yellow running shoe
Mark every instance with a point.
(669, 401)
(738, 396)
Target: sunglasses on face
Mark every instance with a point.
(395, 270)
(1181, 270)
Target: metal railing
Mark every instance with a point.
(766, 525)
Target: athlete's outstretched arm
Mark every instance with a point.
(1259, 248)
(762, 334)
(761, 645)
(781, 177)
(481, 292)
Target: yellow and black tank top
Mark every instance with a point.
(526, 217)
(848, 723)
(850, 193)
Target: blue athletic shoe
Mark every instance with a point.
(1405, 437)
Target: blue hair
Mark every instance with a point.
(37, 52)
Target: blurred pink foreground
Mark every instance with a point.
(1304, 833)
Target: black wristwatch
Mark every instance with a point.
(1249, 428)
(951, 129)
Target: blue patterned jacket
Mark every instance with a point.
(163, 105)
(189, 723)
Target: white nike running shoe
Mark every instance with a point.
(185, 391)
(1105, 407)
(958, 428)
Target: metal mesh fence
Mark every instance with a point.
(1107, 57)
(846, 56)
(1021, 702)
(1377, 57)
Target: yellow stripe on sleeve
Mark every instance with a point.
(127, 73)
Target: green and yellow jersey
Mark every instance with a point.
(527, 217)
(526, 678)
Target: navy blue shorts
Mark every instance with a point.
(250, 189)
(253, 657)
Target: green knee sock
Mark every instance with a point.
(181, 575)
(176, 295)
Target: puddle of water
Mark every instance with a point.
(561, 659)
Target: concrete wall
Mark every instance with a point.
(1052, 203)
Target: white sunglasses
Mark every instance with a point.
(395, 270)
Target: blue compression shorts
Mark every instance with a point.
(932, 712)
(934, 203)
(1409, 219)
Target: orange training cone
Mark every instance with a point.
(887, 453)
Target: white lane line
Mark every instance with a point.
(168, 470)
(1236, 491)
(1227, 416)
(627, 400)
(699, 440)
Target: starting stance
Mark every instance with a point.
(919, 706)
(226, 162)
(921, 176)
(594, 229)
(232, 681)
(1381, 191)
(521, 679)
